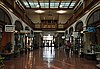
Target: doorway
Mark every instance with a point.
(48, 41)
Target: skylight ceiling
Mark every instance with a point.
(48, 3)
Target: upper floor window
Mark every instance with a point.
(4, 17)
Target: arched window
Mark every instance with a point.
(32, 32)
(66, 32)
(79, 26)
(94, 21)
(27, 28)
(4, 18)
(18, 26)
(94, 18)
(71, 31)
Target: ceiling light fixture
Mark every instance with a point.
(61, 11)
(39, 11)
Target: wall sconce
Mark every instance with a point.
(81, 32)
(15, 31)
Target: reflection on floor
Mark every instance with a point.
(49, 58)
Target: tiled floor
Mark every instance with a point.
(49, 58)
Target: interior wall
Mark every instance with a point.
(6, 37)
(35, 18)
(63, 18)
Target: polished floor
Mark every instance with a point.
(49, 58)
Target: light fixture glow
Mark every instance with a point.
(61, 6)
(39, 11)
(61, 11)
(37, 6)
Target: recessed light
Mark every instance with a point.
(61, 11)
(39, 11)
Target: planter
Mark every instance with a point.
(97, 48)
(90, 56)
(7, 56)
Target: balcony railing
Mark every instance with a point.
(49, 26)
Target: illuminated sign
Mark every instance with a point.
(9, 28)
(91, 29)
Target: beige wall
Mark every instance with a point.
(35, 18)
(63, 18)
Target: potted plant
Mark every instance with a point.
(97, 48)
(8, 47)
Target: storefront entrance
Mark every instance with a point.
(48, 40)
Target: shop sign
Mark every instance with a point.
(67, 36)
(25, 31)
(9, 28)
(91, 29)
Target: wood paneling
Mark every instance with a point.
(6, 37)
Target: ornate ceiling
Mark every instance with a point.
(50, 8)
(45, 4)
